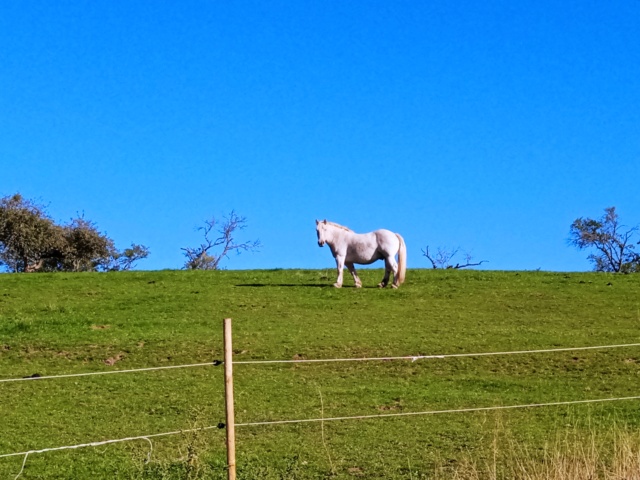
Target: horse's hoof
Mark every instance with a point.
(358, 285)
(337, 285)
(394, 286)
(382, 285)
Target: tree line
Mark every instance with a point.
(30, 241)
(612, 245)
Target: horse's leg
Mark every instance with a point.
(387, 271)
(340, 265)
(352, 269)
(394, 268)
(390, 266)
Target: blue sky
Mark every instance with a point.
(488, 126)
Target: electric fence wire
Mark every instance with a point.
(413, 358)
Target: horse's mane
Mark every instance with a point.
(337, 225)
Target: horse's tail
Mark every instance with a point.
(402, 259)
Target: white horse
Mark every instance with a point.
(349, 247)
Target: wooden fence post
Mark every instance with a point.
(228, 394)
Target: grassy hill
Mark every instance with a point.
(71, 323)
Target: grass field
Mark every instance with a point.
(54, 324)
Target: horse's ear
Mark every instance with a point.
(324, 221)
(317, 221)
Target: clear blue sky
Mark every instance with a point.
(489, 126)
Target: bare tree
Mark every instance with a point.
(203, 257)
(613, 242)
(443, 258)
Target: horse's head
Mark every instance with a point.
(320, 230)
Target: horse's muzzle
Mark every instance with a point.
(320, 243)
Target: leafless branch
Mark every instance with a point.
(203, 258)
(442, 259)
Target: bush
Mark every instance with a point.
(30, 241)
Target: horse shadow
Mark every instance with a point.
(292, 285)
(298, 285)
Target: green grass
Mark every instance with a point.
(70, 323)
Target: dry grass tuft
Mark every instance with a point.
(571, 456)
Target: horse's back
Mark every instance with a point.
(387, 240)
(366, 248)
